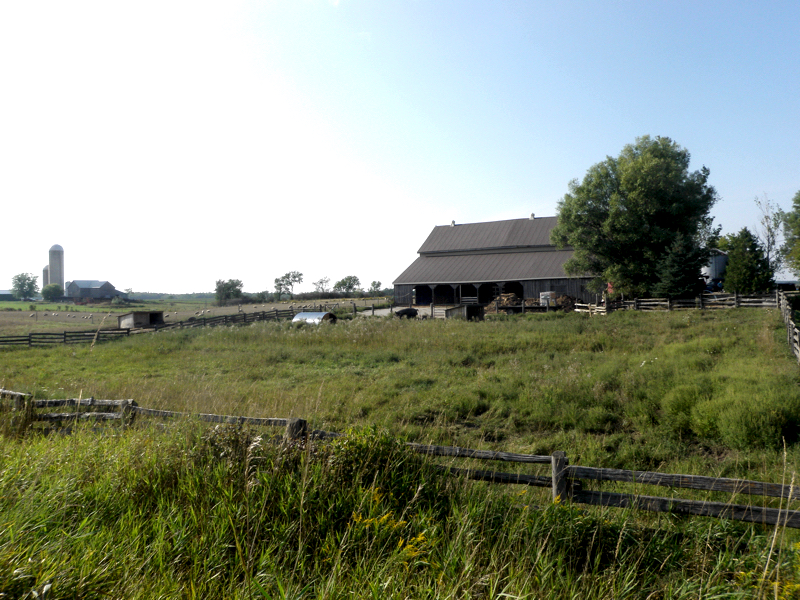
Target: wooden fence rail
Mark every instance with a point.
(564, 479)
(706, 301)
(99, 335)
(792, 332)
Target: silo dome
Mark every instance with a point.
(56, 248)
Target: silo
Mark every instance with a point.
(46, 275)
(715, 269)
(57, 265)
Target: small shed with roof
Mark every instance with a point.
(474, 263)
(140, 318)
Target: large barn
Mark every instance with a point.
(475, 262)
(91, 289)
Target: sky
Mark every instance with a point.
(167, 145)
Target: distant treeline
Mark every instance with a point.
(250, 298)
(160, 296)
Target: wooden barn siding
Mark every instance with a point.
(403, 294)
(571, 287)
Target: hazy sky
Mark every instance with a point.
(166, 145)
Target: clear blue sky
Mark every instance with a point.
(168, 145)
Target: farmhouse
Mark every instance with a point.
(91, 289)
(474, 263)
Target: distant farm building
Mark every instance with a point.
(91, 289)
(7, 295)
(140, 318)
(475, 263)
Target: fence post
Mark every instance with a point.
(296, 429)
(559, 464)
(736, 299)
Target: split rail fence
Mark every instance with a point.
(702, 302)
(101, 335)
(565, 481)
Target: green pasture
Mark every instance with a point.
(184, 510)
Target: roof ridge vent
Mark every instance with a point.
(532, 217)
(452, 223)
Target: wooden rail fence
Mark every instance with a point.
(565, 480)
(101, 335)
(792, 332)
(706, 301)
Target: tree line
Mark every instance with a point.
(231, 290)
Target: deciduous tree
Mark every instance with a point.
(629, 210)
(287, 282)
(228, 290)
(23, 286)
(769, 231)
(347, 284)
(791, 236)
(321, 286)
(52, 291)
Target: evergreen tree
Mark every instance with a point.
(748, 270)
(679, 269)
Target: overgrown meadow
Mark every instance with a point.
(185, 510)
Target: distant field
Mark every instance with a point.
(21, 318)
(631, 389)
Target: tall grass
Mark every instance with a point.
(629, 390)
(183, 511)
(222, 513)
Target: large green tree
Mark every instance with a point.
(52, 292)
(23, 286)
(628, 211)
(791, 236)
(748, 270)
(228, 290)
(347, 284)
(286, 282)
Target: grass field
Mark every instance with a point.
(21, 318)
(191, 512)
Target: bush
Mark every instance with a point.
(744, 420)
(677, 405)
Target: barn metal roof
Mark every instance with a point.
(513, 233)
(486, 268)
(88, 283)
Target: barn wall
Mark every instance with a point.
(403, 294)
(568, 286)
